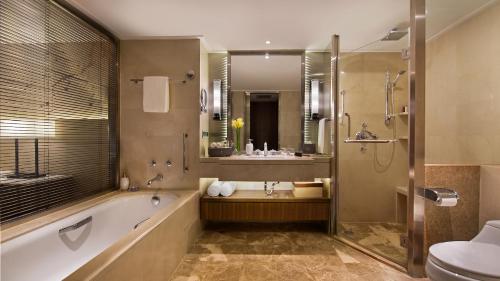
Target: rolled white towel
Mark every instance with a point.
(214, 189)
(227, 189)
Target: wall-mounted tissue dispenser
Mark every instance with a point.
(441, 196)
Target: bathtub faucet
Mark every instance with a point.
(158, 177)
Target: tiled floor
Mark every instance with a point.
(252, 252)
(381, 238)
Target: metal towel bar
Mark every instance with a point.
(369, 141)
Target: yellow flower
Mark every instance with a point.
(237, 123)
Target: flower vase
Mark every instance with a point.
(238, 142)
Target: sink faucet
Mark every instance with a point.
(159, 177)
(270, 190)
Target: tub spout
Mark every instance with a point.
(158, 177)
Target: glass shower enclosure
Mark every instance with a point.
(378, 143)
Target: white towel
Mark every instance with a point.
(324, 136)
(227, 189)
(214, 189)
(155, 94)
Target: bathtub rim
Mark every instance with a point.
(15, 229)
(98, 264)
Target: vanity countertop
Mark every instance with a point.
(244, 168)
(261, 196)
(235, 159)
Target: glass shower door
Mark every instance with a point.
(372, 147)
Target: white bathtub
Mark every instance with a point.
(47, 254)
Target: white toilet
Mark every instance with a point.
(478, 259)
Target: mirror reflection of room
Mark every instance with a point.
(266, 93)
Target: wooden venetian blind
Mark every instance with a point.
(57, 108)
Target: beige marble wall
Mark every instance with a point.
(489, 195)
(159, 136)
(368, 180)
(463, 92)
(452, 223)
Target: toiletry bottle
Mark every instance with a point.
(249, 147)
(265, 149)
(124, 182)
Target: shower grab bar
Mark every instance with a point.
(348, 125)
(348, 140)
(76, 225)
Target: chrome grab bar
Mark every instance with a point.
(141, 222)
(185, 168)
(348, 125)
(76, 225)
(369, 141)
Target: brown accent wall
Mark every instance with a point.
(452, 223)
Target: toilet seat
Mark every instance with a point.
(467, 260)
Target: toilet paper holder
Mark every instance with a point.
(441, 196)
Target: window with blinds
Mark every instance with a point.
(58, 107)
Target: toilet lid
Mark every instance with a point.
(464, 257)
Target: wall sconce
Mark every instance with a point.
(314, 99)
(217, 86)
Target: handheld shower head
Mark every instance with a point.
(401, 72)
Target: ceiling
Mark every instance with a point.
(288, 24)
(256, 73)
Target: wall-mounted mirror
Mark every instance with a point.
(282, 96)
(266, 91)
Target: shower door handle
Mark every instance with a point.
(76, 225)
(342, 109)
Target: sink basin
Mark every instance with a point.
(262, 157)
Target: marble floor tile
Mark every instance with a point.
(277, 252)
(381, 238)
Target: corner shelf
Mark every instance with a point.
(402, 138)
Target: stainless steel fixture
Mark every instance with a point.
(395, 34)
(436, 195)
(185, 167)
(269, 190)
(159, 177)
(76, 225)
(364, 134)
(360, 139)
(389, 95)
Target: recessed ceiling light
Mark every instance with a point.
(268, 42)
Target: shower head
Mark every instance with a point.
(395, 35)
(401, 72)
